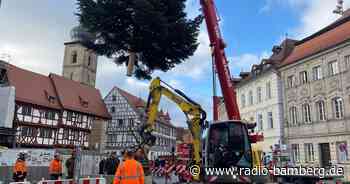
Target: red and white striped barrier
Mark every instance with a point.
(70, 181)
(92, 181)
(180, 170)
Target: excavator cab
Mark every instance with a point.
(227, 144)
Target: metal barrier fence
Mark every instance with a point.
(89, 167)
(34, 173)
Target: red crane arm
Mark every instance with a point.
(220, 60)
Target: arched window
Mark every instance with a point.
(321, 110)
(74, 56)
(338, 107)
(306, 113)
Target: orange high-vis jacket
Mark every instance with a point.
(129, 172)
(20, 166)
(55, 167)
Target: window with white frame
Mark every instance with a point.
(120, 122)
(338, 108)
(333, 67)
(309, 152)
(317, 73)
(243, 100)
(260, 122)
(251, 100)
(306, 113)
(290, 81)
(293, 117)
(270, 120)
(347, 61)
(258, 94)
(27, 110)
(268, 90)
(295, 152)
(112, 109)
(49, 115)
(303, 77)
(321, 110)
(342, 151)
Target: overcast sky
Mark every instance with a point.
(32, 32)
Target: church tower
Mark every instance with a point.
(80, 63)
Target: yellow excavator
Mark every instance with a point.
(217, 144)
(194, 113)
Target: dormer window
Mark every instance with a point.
(74, 56)
(49, 97)
(83, 102)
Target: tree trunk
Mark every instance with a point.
(131, 63)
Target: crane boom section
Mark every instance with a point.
(194, 113)
(218, 50)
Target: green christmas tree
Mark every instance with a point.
(153, 34)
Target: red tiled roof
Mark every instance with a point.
(73, 95)
(133, 100)
(30, 87)
(332, 35)
(36, 89)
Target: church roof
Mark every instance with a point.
(133, 100)
(55, 92)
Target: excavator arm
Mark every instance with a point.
(194, 113)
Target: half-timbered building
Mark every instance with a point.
(127, 113)
(52, 111)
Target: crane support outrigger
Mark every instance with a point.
(194, 113)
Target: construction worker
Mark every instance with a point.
(55, 168)
(70, 164)
(20, 168)
(112, 164)
(141, 157)
(130, 171)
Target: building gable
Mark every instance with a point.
(122, 106)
